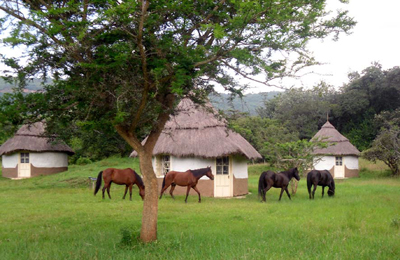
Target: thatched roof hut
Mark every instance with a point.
(31, 138)
(196, 131)
(196, 137)
(30, 153)
(337, 143)
(340, 157)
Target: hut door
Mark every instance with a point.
(339, 167)
(24, 167)
(223, 178)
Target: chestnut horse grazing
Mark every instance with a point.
(281, 180)
(320, 178)
(188, 178)
(126, 177)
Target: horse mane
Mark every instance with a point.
(139, 179)
(200, 172)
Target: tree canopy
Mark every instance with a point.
(126, 62)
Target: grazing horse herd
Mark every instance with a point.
(190, 178)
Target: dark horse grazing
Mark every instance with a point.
(320, 178)
(281, 180)
(188, 178)
(126, 177)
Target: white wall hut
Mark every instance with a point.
(340, 158)
(195, 138)
(29, 154)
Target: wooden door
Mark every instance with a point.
(223, 178)
(24, 166)
(339, 167)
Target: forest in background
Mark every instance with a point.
(360, 109)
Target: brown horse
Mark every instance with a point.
(281, 180)
(126, 177)
(188, 178)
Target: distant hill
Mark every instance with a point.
(32, 86)
(247, 104)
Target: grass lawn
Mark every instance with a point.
(57, 217)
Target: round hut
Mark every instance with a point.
(29, 153)
(196, 137)
(340, 158)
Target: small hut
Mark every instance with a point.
(29, 153)
(195, 137)
(340, 158)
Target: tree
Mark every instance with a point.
(263, 134)
(373, 91)
(386, 148)
(302, 110)
(127, 62)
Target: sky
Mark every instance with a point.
(375, 38)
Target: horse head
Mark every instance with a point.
(209, 173)
(142, 192)
(331, 190)
(296, 174)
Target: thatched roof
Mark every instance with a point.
(337, 143)
(196, 131)
(30, 138)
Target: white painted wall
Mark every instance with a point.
(239, 167)
(351, 162)
(39, 160)
(326, 163)
(10, 161)
(48, 160)
(183, 164)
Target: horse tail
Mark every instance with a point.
(163, 182)
(98, 183)
(261, 184)
(309, 182)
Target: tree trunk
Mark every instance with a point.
(148, 232)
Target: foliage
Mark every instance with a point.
(386, 147)
(366, 95)
(259, 131)
(126, 63)
(301, 110)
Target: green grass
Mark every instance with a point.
(57, 217)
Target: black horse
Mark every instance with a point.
(321, 178)
(281, 180)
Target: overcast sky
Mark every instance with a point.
(376, 37)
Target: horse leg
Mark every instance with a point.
(108, 190)
(126, 189)
(166, 185)
(105, 187)
(287, 192)
(280, 196)
(130, 192)
(269, 186)
(187, 193)
(323, 187)
(172, 190)
(198, 192)
(313, 192)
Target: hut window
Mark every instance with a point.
(24, 157)
(223, 165)
(339, 161)
(166, 164)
